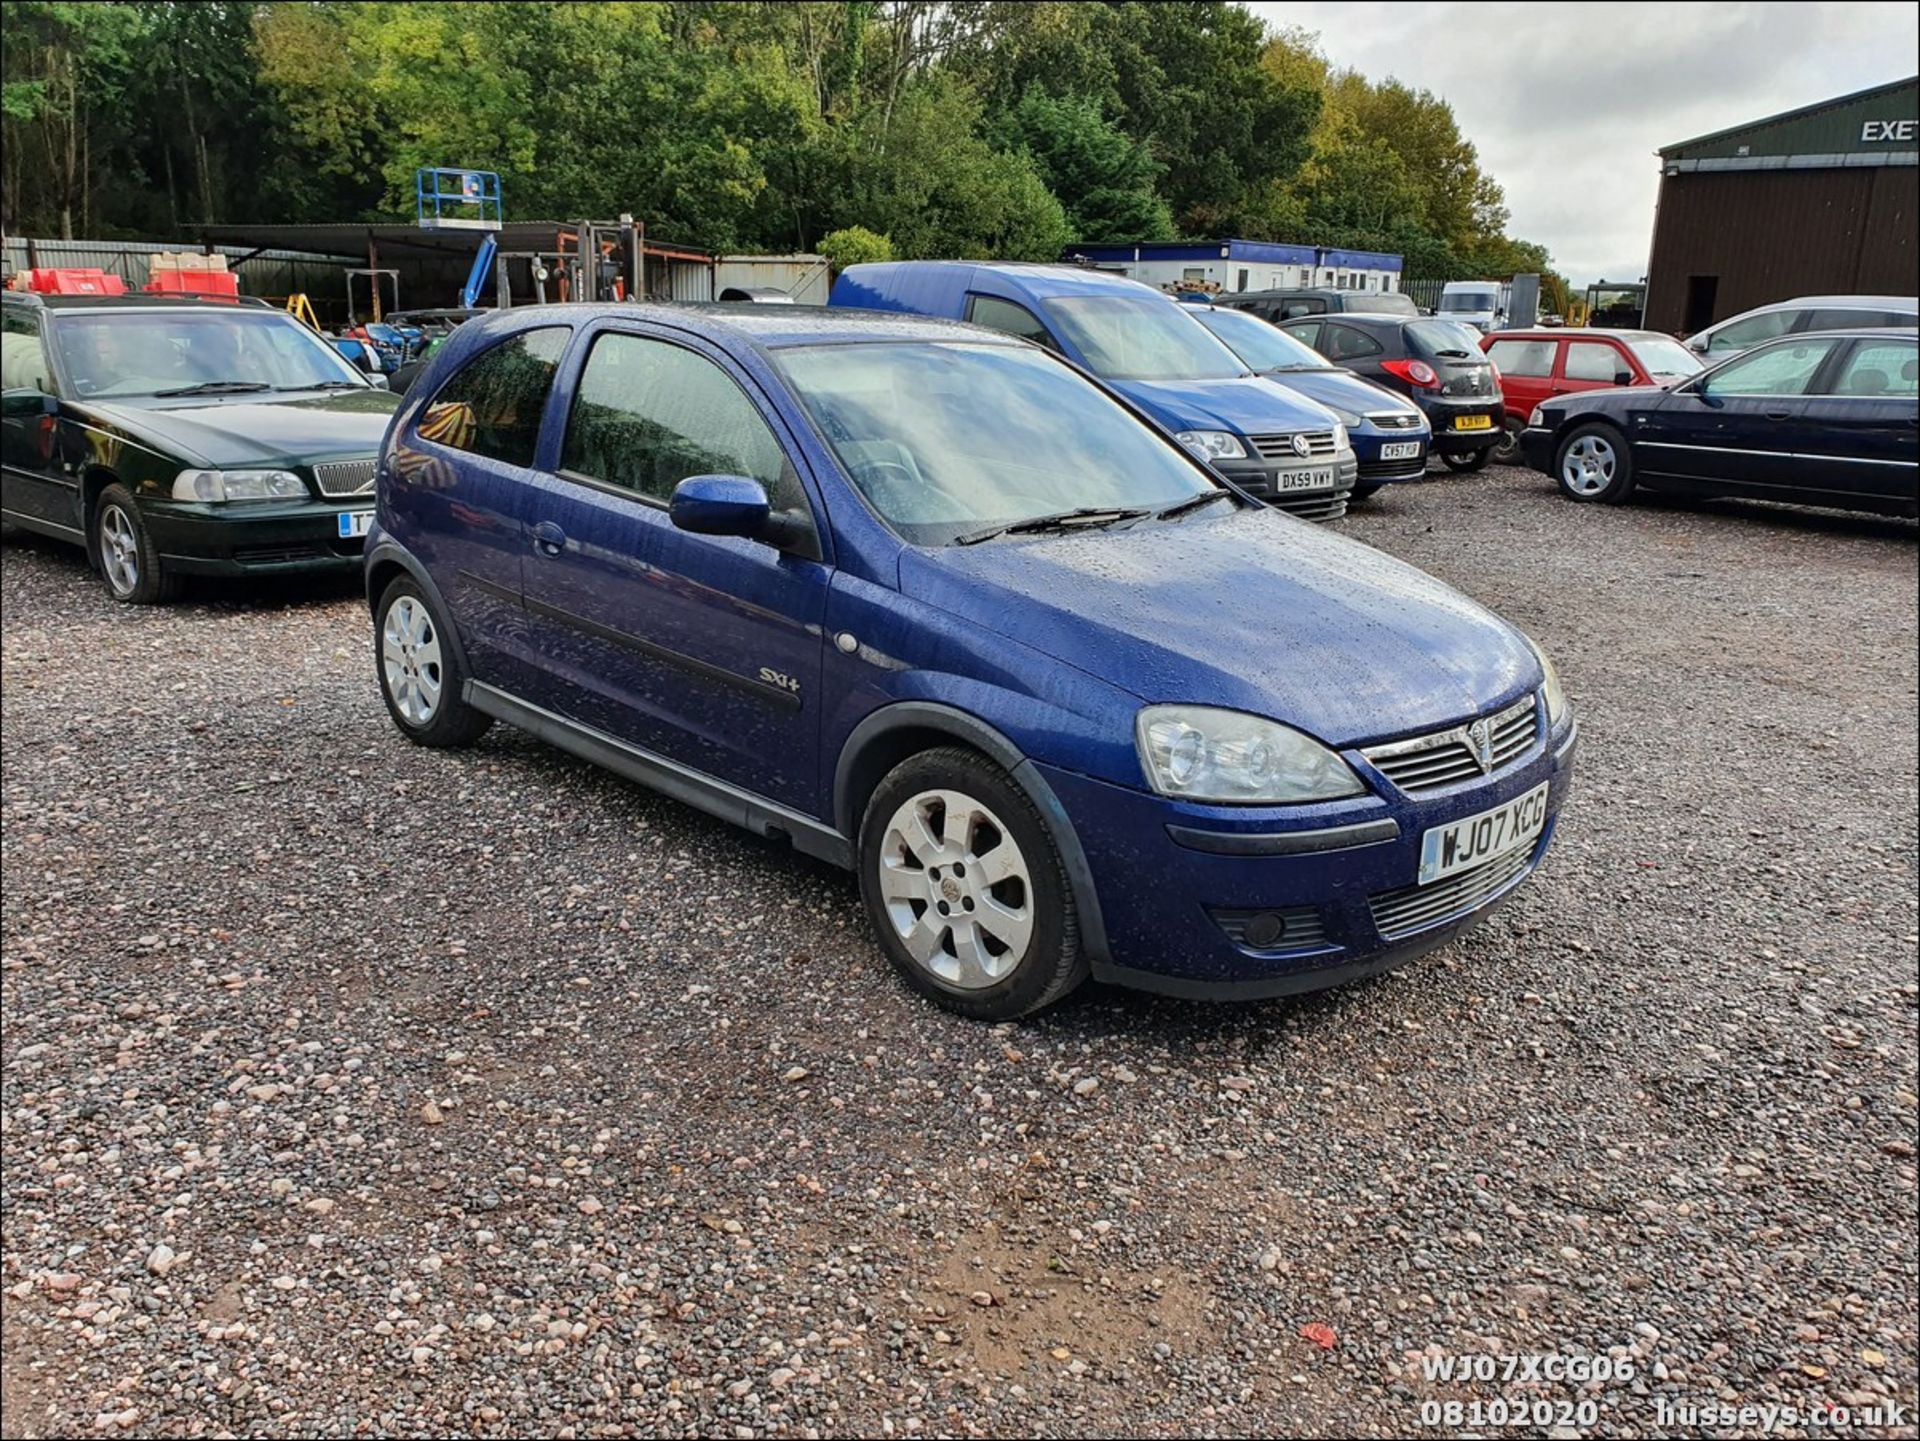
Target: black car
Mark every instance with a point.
(1437, 364)
(178, 436)
(1279, 305)
(1817, 419)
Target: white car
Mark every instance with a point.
(1810, 312)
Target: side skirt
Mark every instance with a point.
(702, 792)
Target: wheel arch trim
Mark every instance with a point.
(390, 553)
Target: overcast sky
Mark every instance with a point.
(1567, 102)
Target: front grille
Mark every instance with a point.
(1301, 929)
(345, 477)
(1445, 758)
(275, 554)
(1282, 447)
(1313, 505)
(1411, 469)
(1418, 908)
(1396, 420)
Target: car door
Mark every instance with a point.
(455, 488)
(1592, 365)
(1526, 370)
(705, 650)
(1741, 424)
(32, 484)
(1860, 431)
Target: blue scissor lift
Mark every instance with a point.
(452, 199)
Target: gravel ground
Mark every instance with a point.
(350, 1088)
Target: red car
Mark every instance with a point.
(1536, 365)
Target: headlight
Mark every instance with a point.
(222, 485)
(1556, 693)
(1212, 444)
(1345, 417)
(1539, 416)
(1340, 441)
(1198, 753)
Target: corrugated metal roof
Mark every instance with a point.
(1827, 127)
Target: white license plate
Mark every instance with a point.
(354, 523)
(1469, 842)
(1303, 480)
(1400, 450)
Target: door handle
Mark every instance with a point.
(1779, 415)
(548, 538)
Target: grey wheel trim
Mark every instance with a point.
(1588, 464)
(957, 889)
(119, 550)
(410, 660)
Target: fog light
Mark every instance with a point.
(1265, 931)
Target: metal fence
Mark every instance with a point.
(273, 274)
(1423, 293)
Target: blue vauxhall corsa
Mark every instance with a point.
(926, 601)
(1268, 439)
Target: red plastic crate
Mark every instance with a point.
(75, 282)
(195, 282)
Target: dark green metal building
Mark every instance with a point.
(1824, 200)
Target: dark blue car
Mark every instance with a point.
(1272, 442)
(1827, 418)
(1389, 434)
(929, 603)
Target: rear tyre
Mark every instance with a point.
(1472, 460)
(128, 561)
(420, 676)
(966, 889)
(1593, 464)
(1507, 452)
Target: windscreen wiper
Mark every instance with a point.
(218, 387)
(325, 385)
(1192, 502)
(1086, 515)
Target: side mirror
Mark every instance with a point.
(27, 404)
(720, 505)
(1623, 377)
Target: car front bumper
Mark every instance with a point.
(255, 537)
(1536, 447)
(1175, 903)
(1265, 478)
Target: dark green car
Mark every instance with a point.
(176, 437)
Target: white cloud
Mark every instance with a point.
(1568, 102)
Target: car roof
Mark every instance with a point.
(1878, 302)
(1042, 281)
(769, 326)
(139, 301)
(1571, 332)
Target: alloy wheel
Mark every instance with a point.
(410, 656)
(119, 551)
(1588, 465)
(957, 889)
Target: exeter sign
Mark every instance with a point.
(1888, 132)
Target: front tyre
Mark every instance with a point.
(1594, 464)
(129, 562)
(420, 676)
(966, 889)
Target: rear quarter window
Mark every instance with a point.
(493, 404)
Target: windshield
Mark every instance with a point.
(1446, 338)
(1386, 302)
(948, 439)
(1661, 356)
(110, 353)
(1260, 345)
(1145, 339)
(1470, 302)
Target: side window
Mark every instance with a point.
(648, 414)
(1744, 334)
(1595, 360)
(1523, 357)
(1310, 305)
(1343, 342)
(493, 406)
(1881, 367)
(23, 360)
(1786, 369)
(1006, 316)
(1307, 332)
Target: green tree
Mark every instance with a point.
(1103, 179)
(855, 245)
(63, 71)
